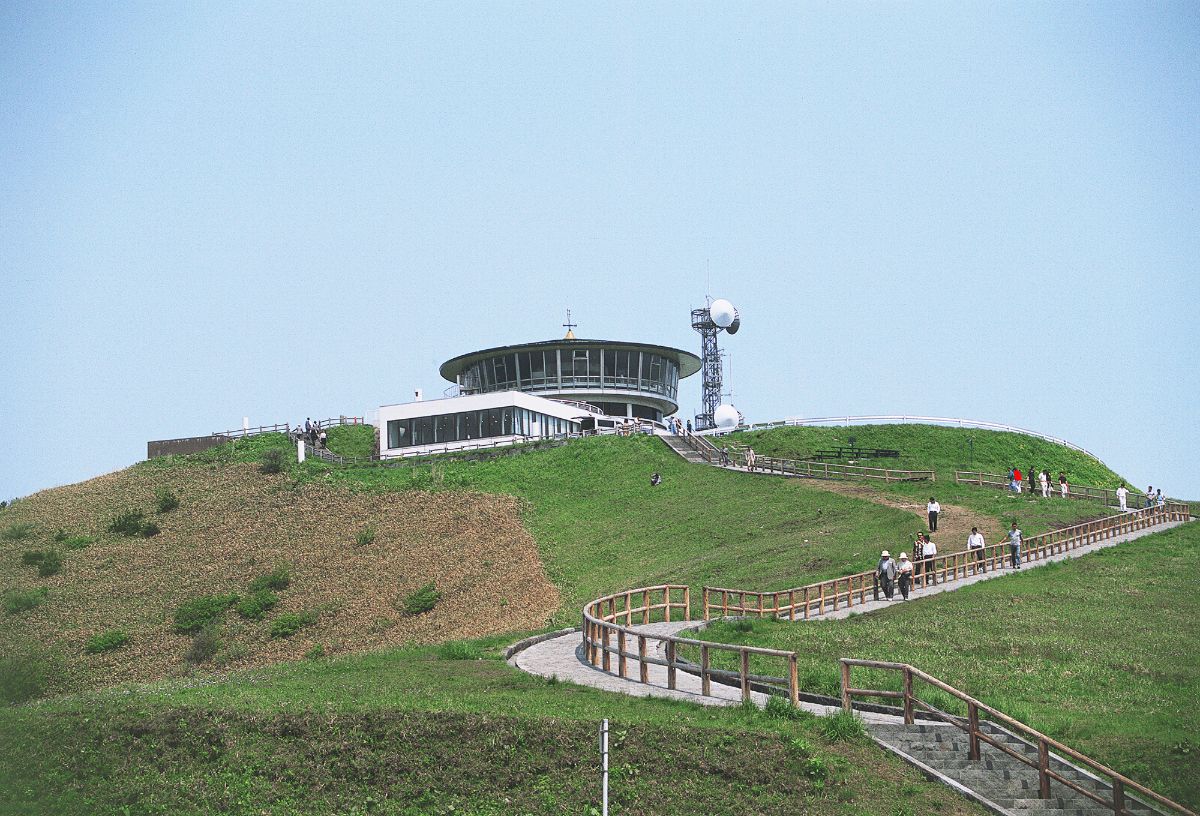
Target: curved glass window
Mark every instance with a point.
(573, 367)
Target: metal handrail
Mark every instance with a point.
(976, 735)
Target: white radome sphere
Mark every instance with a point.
(722, 312)
(726, 416)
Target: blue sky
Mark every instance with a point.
(275, 210)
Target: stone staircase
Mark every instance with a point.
(1006, 784)
(680, 446)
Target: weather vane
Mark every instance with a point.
(569, 326)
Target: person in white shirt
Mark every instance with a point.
(930, 553)
(1161, 499)
(904, 572)
(1044, 480)
(975, 543)
(1122, 495)
(933, 508)
(1062, 484)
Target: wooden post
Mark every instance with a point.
(973, 722)
(846, 687)
(705, 680)
(646, 605)
(1119, 797)
(670, 664)
(724, 603)
(1043, 767)
(687, 604)
(643, 667)
(621, 665)
(744, 674)
(806, 604)
(908, 696)
(791, 604)
(793, 680)
(821, 608)
(607, 655)
(628, 608)
(760, 604)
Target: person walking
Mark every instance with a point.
(919, 555)
(1160, 499)
(1149, 496)
(1017, 480)
(689, 427)
(933, 508)
(1062, 484)
(886, 572)
(1122, 497)
(976, 544)
(655, 480)
(904, 572)
(1044, 481)
(930, 554)
(750, 458)
(1014, 546)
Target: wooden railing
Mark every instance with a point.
(261, 429)
(1135, 498)
(824, 597)
(911, 701)
(834, 470)
(607, 635)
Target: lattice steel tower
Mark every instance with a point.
(706, 322)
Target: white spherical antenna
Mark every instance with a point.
(726, 416)
(722, 312)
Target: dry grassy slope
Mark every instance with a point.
(235, 523)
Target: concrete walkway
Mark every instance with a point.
(563, 656)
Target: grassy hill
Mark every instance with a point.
(1101, 652)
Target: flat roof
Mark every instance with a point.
(689, 363)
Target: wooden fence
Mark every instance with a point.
(1074, 491)
(608, 638)
(910, 700)
(796, 467)
(824, 597)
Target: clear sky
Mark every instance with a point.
(210, 210)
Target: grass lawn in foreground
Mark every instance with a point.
(1102, 652)
(434, 731)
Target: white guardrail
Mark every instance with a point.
(851, 420)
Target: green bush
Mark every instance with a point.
(271, 461)
(843, 726)
(150, 529)
(27, 671)
(48, 562)
(201, 613)
(78, 542)
(316, 652)
(459, 650)
(127, 523)
(422, 600)
(164, 500)
(257, 604)
(205, 643)
(277, 579)
(18, 600)
(107, 641)
(365, 536)
(780, 709)
(291, 623)
(17, 532)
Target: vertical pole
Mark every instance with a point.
(705, 680)
(670, 664)
(1119, 797)
(607, 658)
(643, 667)
(745, 674)
(760, 604)
(973, 723)
(604, 767)
(621, 664)
(908, 696)
(821, 608)
(845, 687)
(806, 604)
(646, 605)
(687, 605)
(1043, 767)
(793, 681)
(706, 612)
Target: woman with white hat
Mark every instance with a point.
(905, 573)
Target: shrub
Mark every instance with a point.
(60, 536)
(422, 600)
(365, 536)
(201, 613)
(316, 652)
(255, 605)
(458, 650)
(48, 562)
(79, 542)
(127, 523)
(26, 671)
(291, 623)
(277, 579)
(107, 641)
(271, 461)
(17, 600)
(205, 643)
(17, 532)
(743, 625)
(164, 500)
(780, 709)
(150, 529)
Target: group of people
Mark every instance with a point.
(313, 433)
(677, 426)
(1044, 479)
(893, 574)
(1153, 498)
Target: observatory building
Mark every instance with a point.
(539, 389)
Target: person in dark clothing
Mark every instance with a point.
(655, 480)
(886, 572)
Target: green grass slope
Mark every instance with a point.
(930, 447)
(1102, 652)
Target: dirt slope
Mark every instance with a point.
(234, 524)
